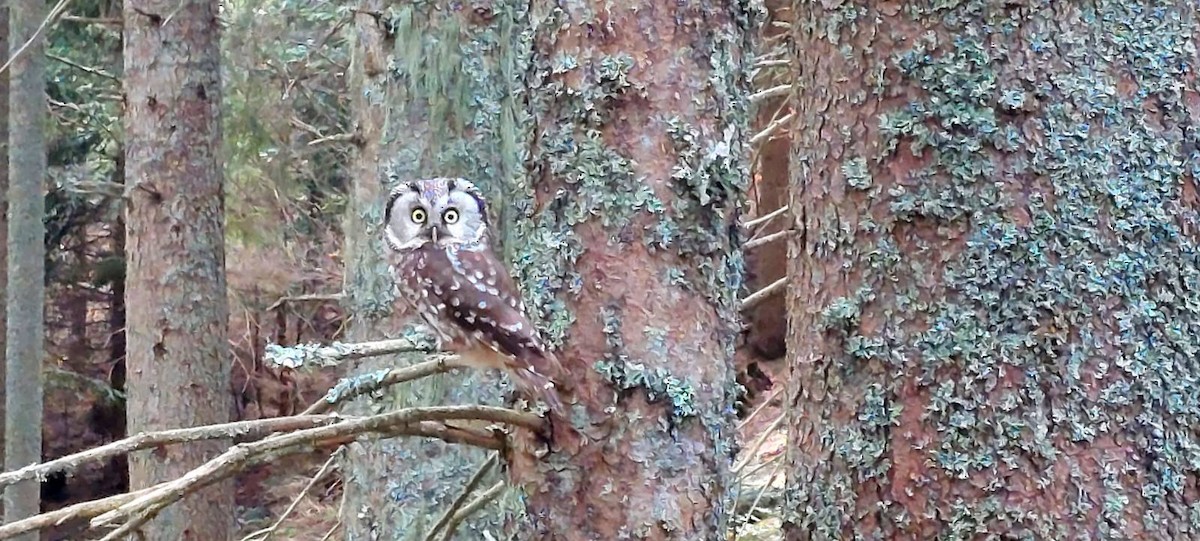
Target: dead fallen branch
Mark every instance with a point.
(79, 511)
(404, 422)
(240, 430)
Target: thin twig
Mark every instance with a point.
(325, 469)
(771, 63)
(341, 507)
(472, 484)
(50, 18)
(319, 297)
(353, 387)
(758, 442)
(86, 69)
(761, 220)
(762, 241)
(765, 293)
(93, 20)
(772, 128)
(242, 429)
(335, 138)
(469, 509)
(761, 407)
(781, 90)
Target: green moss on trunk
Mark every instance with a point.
(995, 305)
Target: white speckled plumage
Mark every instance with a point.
(436, 231)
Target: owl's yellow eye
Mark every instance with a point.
(450, 216)
(418, 215)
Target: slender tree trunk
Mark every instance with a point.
(995, 307)
(3, 218)
(178, 373)
(437, 85)
(26, 257)
(630, 251)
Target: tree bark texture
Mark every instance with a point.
(994, 297)
(630, 255)
(178, 358)
(24, 345)
(3, 220)
(437, 97)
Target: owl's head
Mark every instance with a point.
(442, 211)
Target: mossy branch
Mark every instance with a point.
(349, 388)
(333, 354)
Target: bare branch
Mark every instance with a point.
(472, 484)
(349, 388)
(86, 69)
(469, 509)
(771, 63)
(93, 20)
(318, 297)
(37, 34)
(333, 354)
(335, 138)
(78, 511)
(761, 220)
(765, 293)
(775, 91)
(762, 241)
(402, 422)
(242, 429)
(772, 128)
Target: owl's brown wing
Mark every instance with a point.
(482, 299)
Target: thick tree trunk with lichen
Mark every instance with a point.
(630, 256)
(25, 287)
(995, 305)
(438, 97)
(178, 349)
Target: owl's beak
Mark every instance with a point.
(433, 234)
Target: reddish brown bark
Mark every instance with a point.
(989, 194)
(177, 365)
(629, 102)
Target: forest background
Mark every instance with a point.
(943, 254)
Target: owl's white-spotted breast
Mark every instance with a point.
(437, 233)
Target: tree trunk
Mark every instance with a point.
(24, 345)
(178, 372)
(630, 252)
(437, 95)
(3, 218)
(995, 312)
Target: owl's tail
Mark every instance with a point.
(537, 385)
